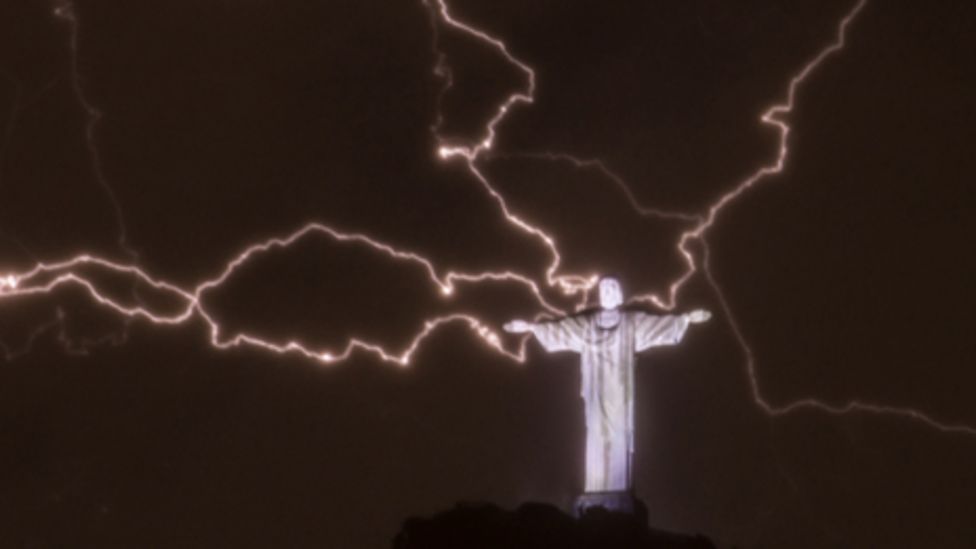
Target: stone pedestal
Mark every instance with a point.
(617, 502)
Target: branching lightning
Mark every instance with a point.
(569, 284)
(46, 278)
(65, 11)
(600, 167)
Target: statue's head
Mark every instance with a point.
(611, 294)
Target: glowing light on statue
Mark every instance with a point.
(607, 340)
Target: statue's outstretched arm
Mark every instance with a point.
(518, 327)
(565, 334)
(698, 316)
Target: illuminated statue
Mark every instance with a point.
(607, 340)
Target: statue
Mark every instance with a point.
(607, 340)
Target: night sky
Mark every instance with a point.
(172, 135)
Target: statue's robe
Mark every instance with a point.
(607, 383)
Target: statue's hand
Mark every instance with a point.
(518, 327)
(698, 316)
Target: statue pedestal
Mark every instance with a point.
(616, 502)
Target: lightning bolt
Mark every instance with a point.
(471, 154)
(46, 278)
(774, 116)
(65, 11)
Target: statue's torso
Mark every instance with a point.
(607, 364)
(608, 319)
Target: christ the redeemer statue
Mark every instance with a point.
(607, 340)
